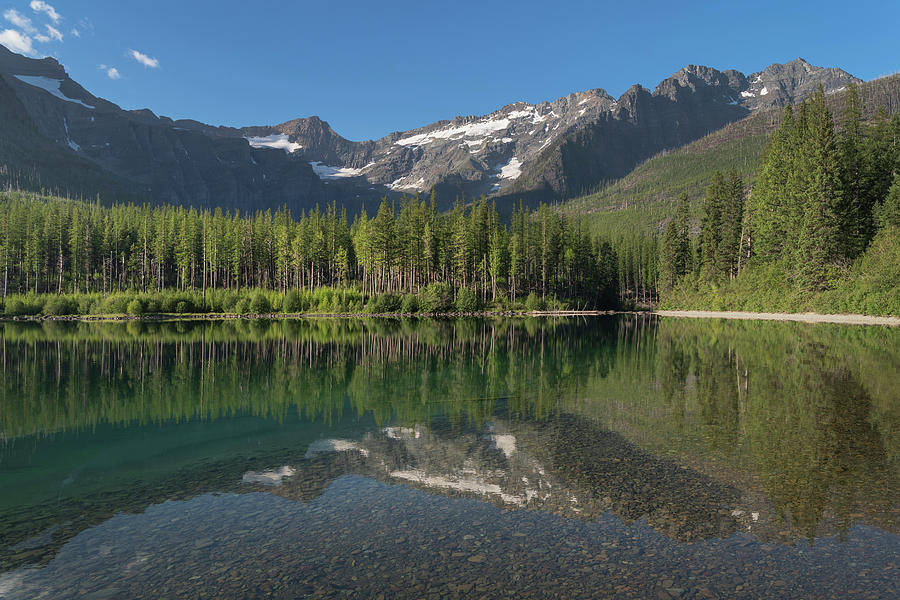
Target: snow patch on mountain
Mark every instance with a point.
(69, 141)
(510, 170)
(398, 184)
(327, 172)
(49, 85)
(520, 114)
(477, 129)
(276, 140)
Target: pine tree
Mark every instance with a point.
(675, 250)
(854, 212)
(887, 214)
(769, 205)
(818, 245)
(711, 228)
(731, 221)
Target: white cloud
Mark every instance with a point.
(19, 20)
(144, 59)
(28, 30)
(112, 72)
(40, 6)
(54, 33)
(75, 32)
(16, 41)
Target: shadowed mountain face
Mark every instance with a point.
(692, 103)
(149, 157)
(543, 151)
(555, 149)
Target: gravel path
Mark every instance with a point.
(804, 317)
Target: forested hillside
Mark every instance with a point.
(645, 199)
(820, 228)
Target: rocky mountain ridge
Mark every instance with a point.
(543, 151)
(561, 147)
(153, 158)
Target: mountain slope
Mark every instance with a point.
(551, 150)
(156, 158)
(644, 199)
(28, 160)
(692, 103)
(57, 133)
(470, 154)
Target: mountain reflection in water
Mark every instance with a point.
(693, 430)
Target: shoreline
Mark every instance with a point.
(164, 317)
(840, 319)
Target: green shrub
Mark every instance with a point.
(84, 305)
(554, 303)
(226, 301)
(116, 304)
(436, 298)
(293, 302)
(324, 305)
(15, 307)
(467, 301)
(534, 302)
(410, 304)
(59, 305)
(259, 304)
(136, 307)
(242, 307)
(178, 302)
(384, 303)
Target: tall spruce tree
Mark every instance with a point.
(732, 212)
(711, 228)
(819, 242)
(675, 250)
(768, 207)
(854, 211)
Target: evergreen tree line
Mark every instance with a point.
(52, 245)
(638, 255)
(819, 200)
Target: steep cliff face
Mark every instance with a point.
(683, 108)
(551, 150)
(473, 155)
(154, 157)
(544, 151)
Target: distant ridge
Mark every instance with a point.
(58, 135)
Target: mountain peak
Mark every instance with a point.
(788, 83)
(16, 64)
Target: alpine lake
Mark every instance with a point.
(627, 456)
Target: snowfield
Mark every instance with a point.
(276, 140)
(49, 85)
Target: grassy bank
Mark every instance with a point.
(870, 286)
(436, 298)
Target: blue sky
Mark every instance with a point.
(370, 68)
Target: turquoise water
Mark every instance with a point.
(589, 457)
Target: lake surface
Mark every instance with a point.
(626, 456)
